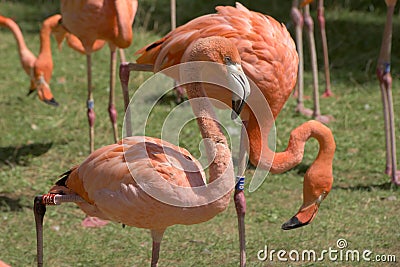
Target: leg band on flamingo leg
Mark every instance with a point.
(386, 68)
(90, 112)
(240, 183)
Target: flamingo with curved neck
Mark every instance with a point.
(114, 181)
(27, 58)
(270, 60)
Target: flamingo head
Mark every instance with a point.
(317, 185)
(221, 50)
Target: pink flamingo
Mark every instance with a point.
(28, 60)
(269, 58)
(91, 21)
(385, 81)
(113, 182)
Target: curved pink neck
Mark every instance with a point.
(260, 154)
(9, 23)
(210, 130)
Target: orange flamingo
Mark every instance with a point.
(299, 19)
(27, 59)
(269, 58)
(96, 20)
(40, 69)
(114, 181)
(385, 81)
(43, 66)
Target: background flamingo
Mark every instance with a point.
(40, 69)
(103, 186)
(27, 58)
(299, 19)
(43, 66)
(105, 20)
(269, 58)
(385, 81)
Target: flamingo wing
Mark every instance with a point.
(268, 52)
(114, 181)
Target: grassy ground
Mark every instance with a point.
(39, 142)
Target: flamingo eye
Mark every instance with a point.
(228, 60)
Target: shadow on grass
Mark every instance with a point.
(20, 155)
(368, 188)
(8, 204)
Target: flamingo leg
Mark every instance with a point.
(385, 80)
(239, 198)
(122, 55)
(124, 72)
(313, 53)
(39, 210)
(90, 102)
(321, 22)
(298, 20)
(157, 236)
(111, 106)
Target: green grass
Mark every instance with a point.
(39, 142)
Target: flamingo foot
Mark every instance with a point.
(93, 222)
(327, 93)
(396, 178)
(305, 111)
(325, 118)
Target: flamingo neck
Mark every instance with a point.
(260, 153)
(9, 23)
(125, 15)
(217, 148)
(45, 44)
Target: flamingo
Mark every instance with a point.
(40, 69)
(385, 81)
(269, 58)
(114, 181)
(96, 20)
(299, 19)
(43, 65)
(27, 59)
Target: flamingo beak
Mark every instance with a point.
(44, 92)
(32, 87)
(51, 102)
(237, 106)
(31, 90)
(240, 88)
(305, 215)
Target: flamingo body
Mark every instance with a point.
(94, 19)
(268, 53)
(105, 181)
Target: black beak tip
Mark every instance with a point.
(293, 223)
(234, 115)
(52, 102)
